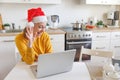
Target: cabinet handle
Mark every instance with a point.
(51, 38)
(100, 36)
(116, 46)
(100, 47)
(8, 41)
(117, 35)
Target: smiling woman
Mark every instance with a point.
(34, 40)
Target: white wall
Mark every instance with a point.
(69, 11)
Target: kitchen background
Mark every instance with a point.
(69, 11)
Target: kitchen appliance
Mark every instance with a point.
(53, 21)
(113, 18)
(74, 39)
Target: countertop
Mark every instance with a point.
(49, 31)
(105, 29)
(59, 31)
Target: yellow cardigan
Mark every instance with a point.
(41, 45)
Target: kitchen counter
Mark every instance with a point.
(49, 31)
(105, 29)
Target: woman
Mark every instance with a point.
(34, 40)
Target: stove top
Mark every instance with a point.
(77, 34)
(70, 29)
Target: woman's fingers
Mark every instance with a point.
(29, 33)
(28, 30)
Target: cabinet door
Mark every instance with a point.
(115, 47)
(101, 40)
(7, 55)
(115, 35)
(115, 43)
(58, 42)
(101, 36)
(102, 2)
(32, 1)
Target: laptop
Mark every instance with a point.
(53, 63)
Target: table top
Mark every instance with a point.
(95, 69)
(22, 71)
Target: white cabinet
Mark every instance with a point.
(101, 40)
(115, 43)
(32, 1)
(109, 41)
(7, 55)
(101, 2)
(58, 42)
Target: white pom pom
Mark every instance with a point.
(30, 24)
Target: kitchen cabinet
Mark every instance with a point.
(7, 55)
(32, 1)
(109, 41)
(101, 41)
(115, 43)
(58, 41)
(101, 2)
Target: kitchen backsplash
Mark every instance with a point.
(69, 11)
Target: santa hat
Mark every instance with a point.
(36, 16)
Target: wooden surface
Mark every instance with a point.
(105, 29)
(55, 31)
(95, 69)
(49, 31)
(1, 22)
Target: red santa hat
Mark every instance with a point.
(36, 15)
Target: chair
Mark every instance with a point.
(106, 54)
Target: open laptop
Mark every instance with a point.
(55, 63)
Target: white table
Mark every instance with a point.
(22, 71)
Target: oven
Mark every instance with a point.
(75, 40)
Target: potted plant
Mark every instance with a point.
(100, 24)
(6, 26)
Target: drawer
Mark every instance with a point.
(115, 47)
(58, 47)
(115, 44)
(100, 45)
(57, 38)
(7, 38)
(101, 35)
(115, 35)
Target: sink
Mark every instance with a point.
(11, 31)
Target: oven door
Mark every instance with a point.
(77, 45)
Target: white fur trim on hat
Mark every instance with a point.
(30, 24)
(39, 19)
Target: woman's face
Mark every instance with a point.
(39, 27)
